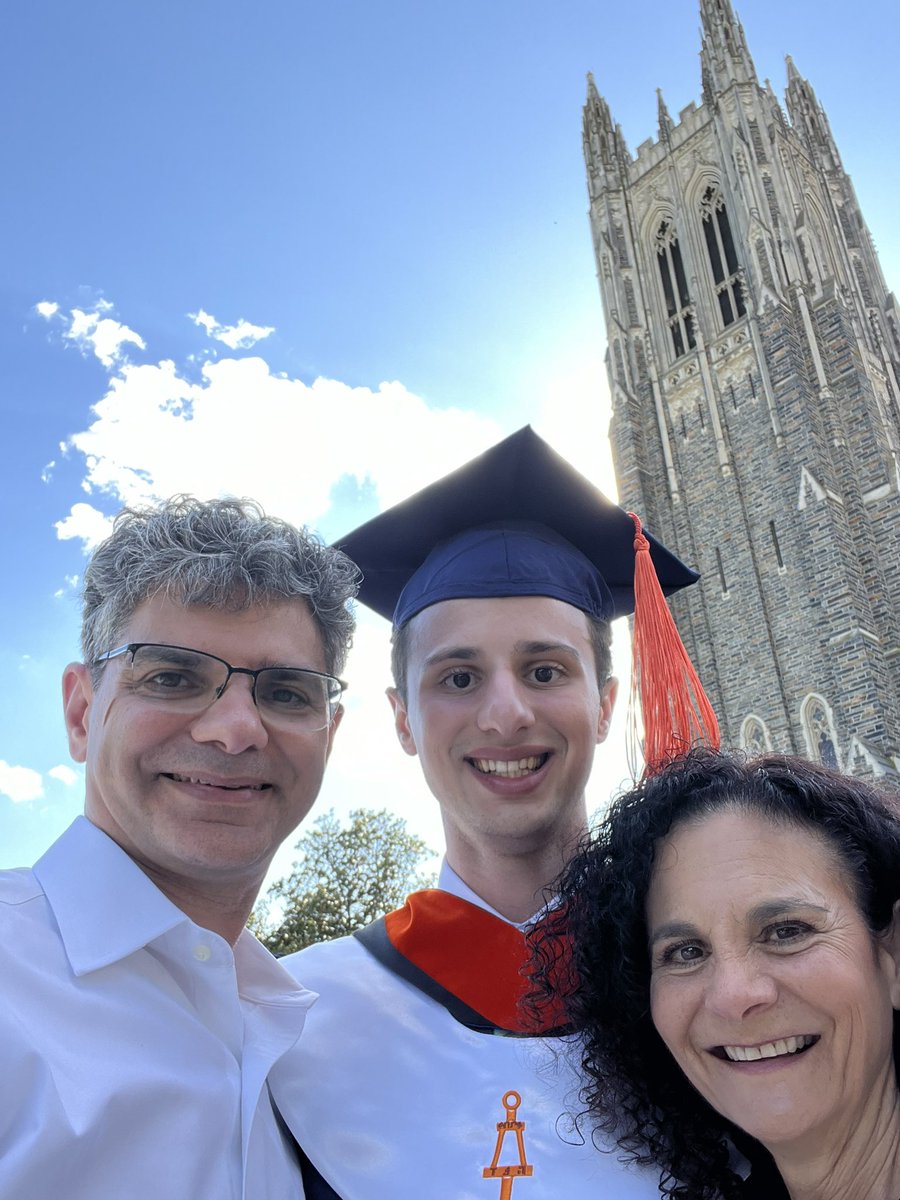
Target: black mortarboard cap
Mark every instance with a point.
(516, 520)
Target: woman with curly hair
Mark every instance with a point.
(734, 979)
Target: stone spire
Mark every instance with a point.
(666, 125)
(605, 151)
(724, 56)
(808, 117)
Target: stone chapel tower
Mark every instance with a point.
(754, 365)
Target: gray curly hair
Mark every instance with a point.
(225, 554)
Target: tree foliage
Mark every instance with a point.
(345, 878)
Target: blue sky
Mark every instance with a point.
(319, 253)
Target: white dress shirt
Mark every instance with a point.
(134, 1044)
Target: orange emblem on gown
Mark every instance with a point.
(508, 1172)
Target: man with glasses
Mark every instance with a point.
(140, 1019)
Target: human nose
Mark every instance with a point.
(233, 719)
(505, 706)
(738, 984)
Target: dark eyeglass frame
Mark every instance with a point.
(132, 648)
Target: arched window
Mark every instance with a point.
(754, 736)
(818, 729)
(722, 256)
(679, 315)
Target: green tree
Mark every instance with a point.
(344, 879)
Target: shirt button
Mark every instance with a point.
(202, 953)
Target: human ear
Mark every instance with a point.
(401, 721)
(889, 953)
(607, 703)
(78, 694)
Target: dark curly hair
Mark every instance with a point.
(634, 1090)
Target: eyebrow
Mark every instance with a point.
(673, 929)
(466, 653)
(172, 654)
(781, 905)
(186, 654)
(766, 911)
(471, 653)
(547, 648)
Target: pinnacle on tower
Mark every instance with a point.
(725, 58)
(596, 108)
(808, 116)
(604, 147)
(666, 124)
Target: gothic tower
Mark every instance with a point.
(754, 365)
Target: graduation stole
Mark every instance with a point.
(466, 959)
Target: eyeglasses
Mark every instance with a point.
(189, 681)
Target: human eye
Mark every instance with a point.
(687, 953)
(786, 933)
(168, 681)
(459, 679)
(546, 673)
(163, 679)
(290, 693)
(287, 697)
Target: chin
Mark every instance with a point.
(775, 1128)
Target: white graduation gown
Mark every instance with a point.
(393, 1099)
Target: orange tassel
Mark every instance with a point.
(675, 709)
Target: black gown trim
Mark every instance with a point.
(314, 1186)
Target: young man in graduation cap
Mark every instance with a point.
(421, 1075)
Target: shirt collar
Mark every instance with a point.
(104, 904)
(262, 980)
(449, 881)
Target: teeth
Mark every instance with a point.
(789, 1045)
(230, 787)
(510, 770)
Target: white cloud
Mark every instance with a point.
(85, 522)
(20, 784)
(103, 336)
(241, 336)
(205, 320)
(64, 774)
(47, 309)
(72, 581)
(244, 430)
